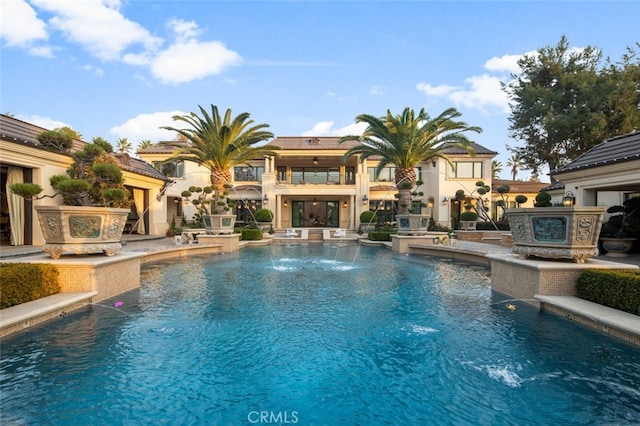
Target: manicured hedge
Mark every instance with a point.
(250, 234)
(24, 282)
(613, 288)
(380, 235)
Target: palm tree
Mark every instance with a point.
(407, 139)
(515, 163)
(123, 145)
(145, 143)
(220, 143)
(496, 169)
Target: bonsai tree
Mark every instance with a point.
(207, 200)
(480, 189)
(543, 199)
(625, 220)
(521, 199)
(94, 179)
(263, 215)
(405, 140)
(220, 143)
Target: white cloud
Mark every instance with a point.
(20, 26)
(98, 26)
(186, 61)
(185, 30)
(378, 90)
(44, 122)
(430, 90)
(147, 126)
(506, 63)
(324, 128)
(93, 69)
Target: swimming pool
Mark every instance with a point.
(317, 334)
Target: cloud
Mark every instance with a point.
(98, 26)
(191, 60)
(484, 91)
(147, 126)
(508, 63)
(324, 128)
(20, 26)
(378, 90)
(44, 122)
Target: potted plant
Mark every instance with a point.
(622, 228)
(368, 220)
(263, 218)
(95, 205)
(213, 207)
(555, 232)
(468, 220)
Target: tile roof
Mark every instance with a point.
(18, 131)
(615, 150)
(518, 185)
(312, 142)
(479, 149)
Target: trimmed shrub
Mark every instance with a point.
(468, 216)
(543, 199)
(618, 289)
(250, 234)
(24, 282)
(367, 217)
(380, 235)
(263, 215)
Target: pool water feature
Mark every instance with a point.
(316, 334)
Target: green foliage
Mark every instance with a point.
(503, 189)
(24, 282)
(367, 217)
(263, 215)
(207, 200)
(26, 190)
(250, 234)
(543, 199)
(380, 235)
(521, 199)
(624, 221)
(613, 288)
(564, 102)
(55, 140)
(468, 216)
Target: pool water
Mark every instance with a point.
(316, 335)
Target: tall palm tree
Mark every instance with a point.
(515, 162)
(496, 169)
(220, 143)
(145, 143)
(407, 139)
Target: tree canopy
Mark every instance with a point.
(564, 102)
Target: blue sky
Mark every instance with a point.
(116, 68)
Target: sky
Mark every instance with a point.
(124, 68)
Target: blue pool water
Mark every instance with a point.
(316, 335)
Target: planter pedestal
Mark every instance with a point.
(412, 224)
(617, 247)
(219, 223)
(81, 230)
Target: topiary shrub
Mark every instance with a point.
(367, 217)
(263, 215)
(543, 199)
(250, 234)
(380, 235)
(468, 216)
(24, 282)
(618, 289)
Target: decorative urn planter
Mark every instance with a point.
(468, 225)
(81, 230)
(617, 247)
(556, 232)
(219, 223)
(412, 224)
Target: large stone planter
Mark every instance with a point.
(412, 224)
(81, 230)
(617, 247)
(556, 232)
(219, 223)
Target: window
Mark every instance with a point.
(386, 175)
(466, 170)
(248, 173)
(172, 169)
(350, 175)
(282, 174)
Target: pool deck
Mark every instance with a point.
(624, 325)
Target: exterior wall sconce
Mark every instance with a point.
(265, 199)
(569, 199)
(445, 201)
(285, 203)
(365, 199)
(433, 163)
(315, 161)
(315, 202)
(344, 204)
(430, 202)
